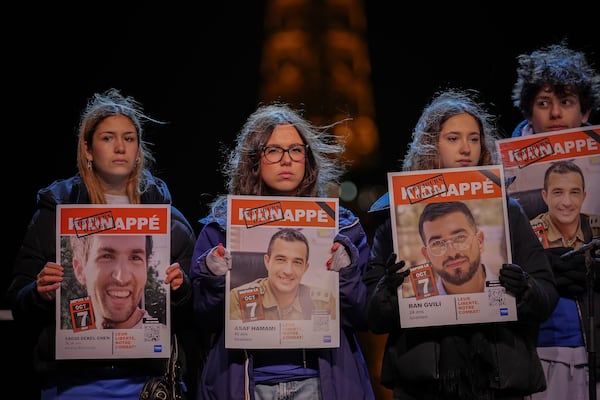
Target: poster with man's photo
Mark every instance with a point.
(279, 291)
(113, 301)
(560, 169)
(450, 226)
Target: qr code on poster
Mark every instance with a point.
(320, 322)
(152, 333)
(496, 297)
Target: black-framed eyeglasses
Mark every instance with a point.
(459, 242)
(274, 154)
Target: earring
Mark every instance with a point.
(137, 161)
(89, 164)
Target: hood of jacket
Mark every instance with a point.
(522, 129)
(381, 204)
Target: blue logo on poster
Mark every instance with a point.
(326, 339)
(158, 348)
(504, 312)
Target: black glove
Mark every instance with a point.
(570, 274)
(392, 278)
(514, 279)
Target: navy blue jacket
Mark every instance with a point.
(228, 373)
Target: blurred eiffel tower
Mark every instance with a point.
(315, 57)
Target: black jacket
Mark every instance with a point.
(36, 317)
(502, 356)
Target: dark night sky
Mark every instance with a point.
(199, 70)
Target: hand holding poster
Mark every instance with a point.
(113, 302)
(450, 227)
(281, 293)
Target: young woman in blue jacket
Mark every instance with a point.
(279, 153)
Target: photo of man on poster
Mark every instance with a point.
(114, 271)
(564, 192)
(280, 295)
(453, 245)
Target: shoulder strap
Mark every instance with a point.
(173, 373)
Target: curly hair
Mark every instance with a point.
(423, 150)
(566, 70)
(324, 165)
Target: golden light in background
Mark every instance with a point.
(315, 57)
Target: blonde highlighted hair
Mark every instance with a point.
(99, 107)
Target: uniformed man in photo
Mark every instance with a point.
(281, 296)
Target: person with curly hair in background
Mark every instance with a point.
(557, 88)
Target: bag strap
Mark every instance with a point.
(174, 358)
(173, 372)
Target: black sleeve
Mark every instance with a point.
(383, 314)
(541, 297)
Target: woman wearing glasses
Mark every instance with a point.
(478, 361)
(278, 153)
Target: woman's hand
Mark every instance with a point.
(48, 280)
(174, 276)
